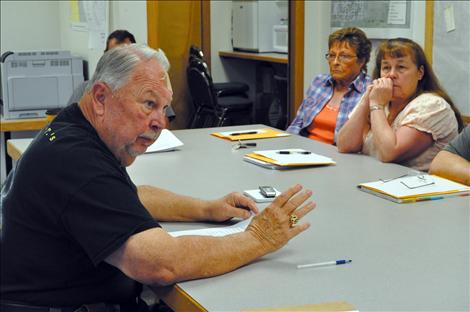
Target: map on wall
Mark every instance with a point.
(379, 19)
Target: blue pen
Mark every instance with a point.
(312, 265)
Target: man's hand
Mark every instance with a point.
(273, 226)
(230, 206)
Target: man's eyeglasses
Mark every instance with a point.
(341, 57)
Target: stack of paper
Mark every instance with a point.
(167, 141)
(217, 231)
(415, 188)
(250, 134)
(287, 158)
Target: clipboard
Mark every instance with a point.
(409, 189)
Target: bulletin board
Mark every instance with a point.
(451, 50)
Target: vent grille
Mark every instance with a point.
(19, 64)
(27, 53)
(50, 53)
(281, 38)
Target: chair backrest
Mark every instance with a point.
(201, 88)
(196, 57)
(281, 112)
(196, 51)
(202, 66)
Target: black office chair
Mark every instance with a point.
(221, 88)
(220, 110)
(278, 110)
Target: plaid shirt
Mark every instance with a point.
(318, 94)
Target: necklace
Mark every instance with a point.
(332, 108)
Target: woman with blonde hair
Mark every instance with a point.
(405, 116)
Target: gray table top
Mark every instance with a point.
(405, 256)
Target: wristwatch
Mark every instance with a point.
(375, 107)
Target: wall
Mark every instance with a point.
(317, 29)
(221, 35)
(23, 30)
(451, 52)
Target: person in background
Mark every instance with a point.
(118, 37)
(115, 39)
(330, 98)
(78, 235)
(454, 161)
(405, 116)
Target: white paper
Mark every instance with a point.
(258, 197)
(97, 40)
(77, 20)
(449, 18)
(295, 157)
(96, 17)
(398, 189)
(228, 133)
(397, 13)
(167, 141)
(218, 231)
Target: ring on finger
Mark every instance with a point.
(293, 220)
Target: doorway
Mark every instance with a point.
(175, 25)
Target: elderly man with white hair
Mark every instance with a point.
(78, 235)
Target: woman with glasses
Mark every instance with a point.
(405, 116)
(330, 98)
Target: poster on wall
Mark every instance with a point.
(378, 19)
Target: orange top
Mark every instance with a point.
(323, 126)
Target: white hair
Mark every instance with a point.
(117, 64)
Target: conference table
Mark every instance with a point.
(409, 257)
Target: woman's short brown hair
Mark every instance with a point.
(400, 47)
(357, 39)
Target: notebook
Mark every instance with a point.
(287, 159)
(415, 188)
